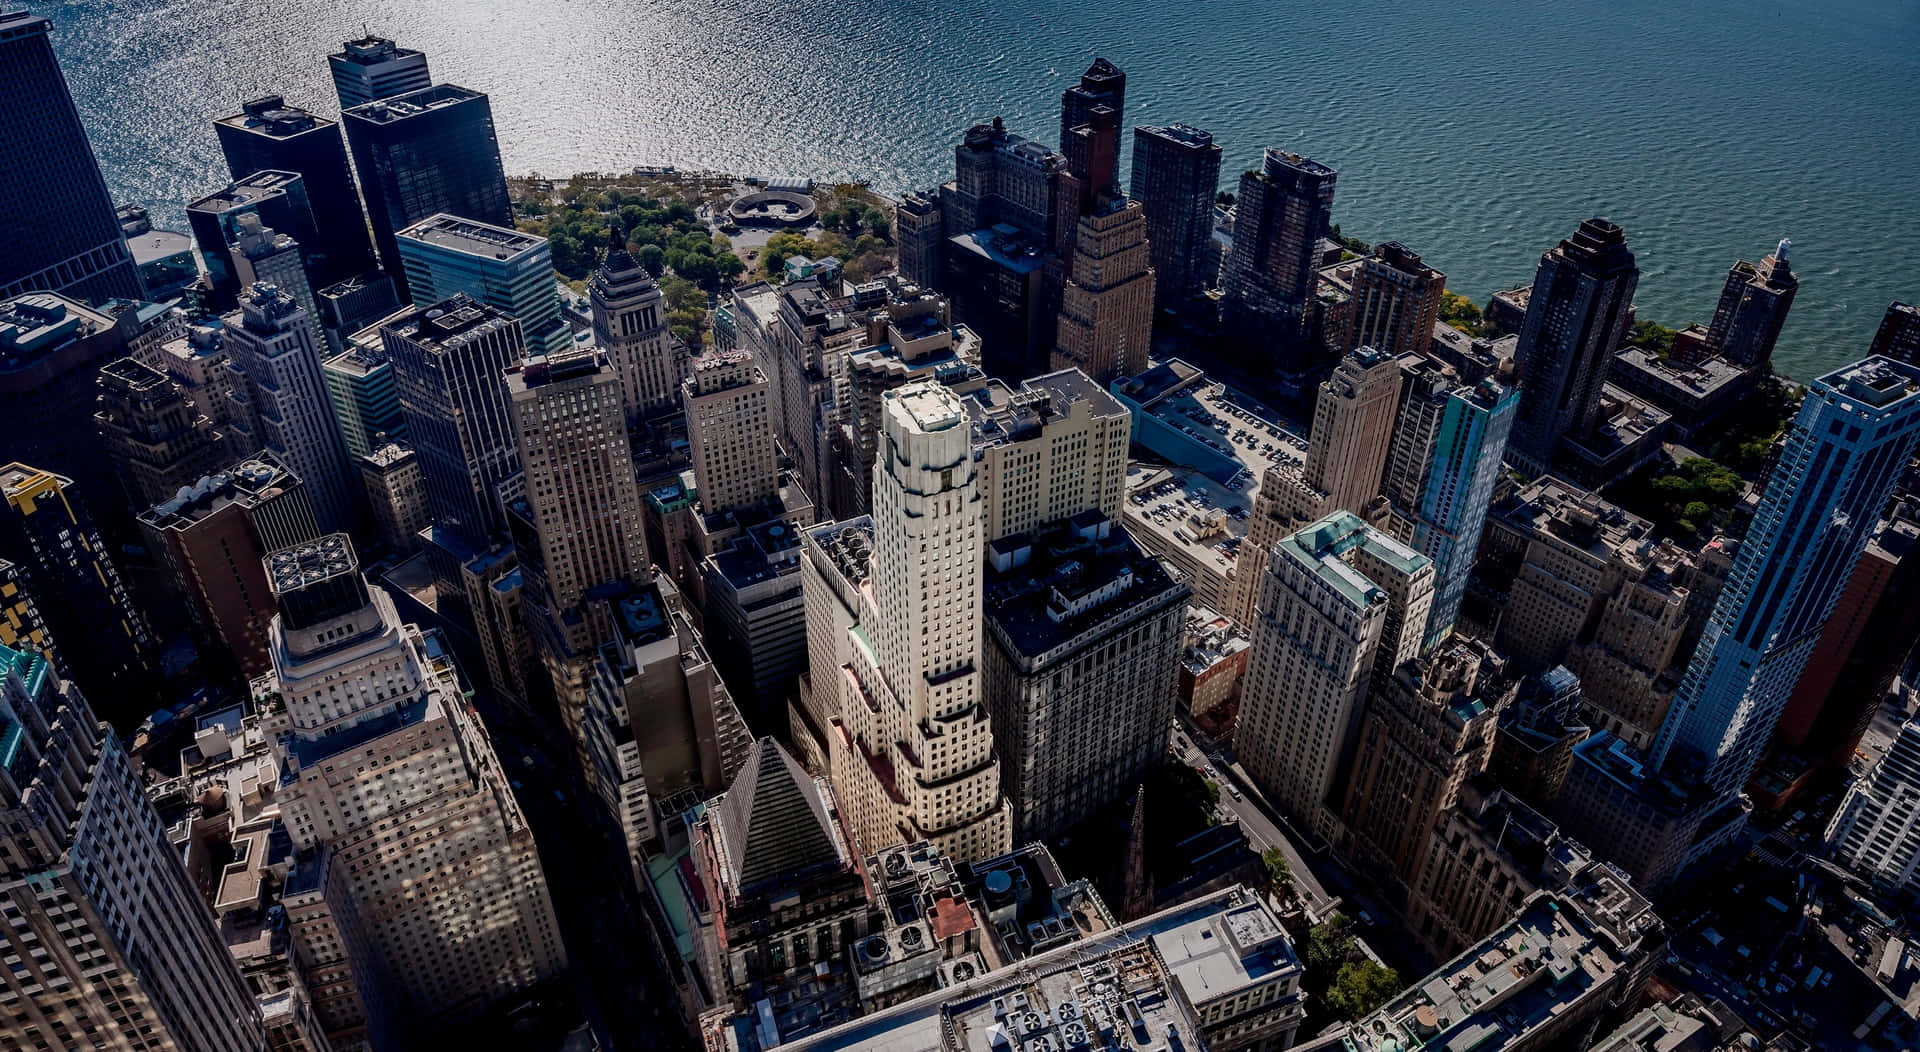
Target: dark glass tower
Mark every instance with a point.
(60, 229)
(1899, 335)
(1577, 316)
(269, 135)
(422, 153)
(278, 198)
(1103, 84)
(1176, 172)
(1284, 209)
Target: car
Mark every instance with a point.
(1235, 792)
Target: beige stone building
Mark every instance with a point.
(1055, 447)
(1106, 308)
(730, 428)
(630, 325)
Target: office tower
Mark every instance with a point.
(1544, 979)
(1422, 737)
(267, 135)
(1353, 428)
(1752, 307)
(1102, 85)
(156, 439)
(396, 491)
(165, 257)
(279, 200)
(1578, 314)
(214, 536)
(63, 235)
(47, 532)
(444, 254)
(51, 351)
(449, 362)
(1078, 675)
(373, 68)
(1396, 301)
(263, 255)
(1867, 641)
(1053, 448)
(1280, 215)
(917, 230)
(756, 617)
(998, 215)
(109, 937)
(834, 566)
(1176, 173)
(351, 306)
(276, 364)
(1875, 833)
(1488, 853)
(630, 325)
(1452, 506)
(423, 153)
(364, 396)
(914, 757)
(386, 765)
(1533, 749)
(1106, 308)
(22, 627)
(1899, 334)
(1339, 600)
(197, 360)
(730, 430)
(661, 721)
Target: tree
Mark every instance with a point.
(683, 295)
(1458, 311)
(1328, 946)
(1360, 987)
(878, 226)
(1652, 336)
(653, 259)
(729, 265)
(1224, 199)
(1279, 875)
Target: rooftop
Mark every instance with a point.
(1323, 547)
(1232, 424)
(1878, 381)
(1046, 590)
(927, 406)
(473, 238)
(244, 192)
(251, 482)
(1183, 508)
(412, 104)
(312, 562)
(1000, 414)
(1004, 245)
(270, 115)
(35, 323)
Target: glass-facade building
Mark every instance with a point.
(1459, 488)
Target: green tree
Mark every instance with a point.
(729, 265)
(1360, 987)
(653, 259)
(878, 226)
(1458, 311)
(1279, 874)
(1652, 336)
(1328, 946)
(683, 295)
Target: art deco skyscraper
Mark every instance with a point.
(108, 937)
(62, 234)
(1577, 316)
(1176, 173)
(1282, 212)
(373, 68)
(158, 440)
(914, 753)
(1752, 307)
(269, 135)
(1396, 301)
(423, 153)
(276, 364)
(386, 766)
(1103, 84)
(630, 324)
(1106, 308)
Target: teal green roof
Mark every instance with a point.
(31, 666)
(1319, 549)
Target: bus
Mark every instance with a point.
(1890, 960)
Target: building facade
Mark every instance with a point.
(157, 440)
(1176, 172)
(444, 255)
(275, 358)
(1281, 213)
(373, 68)
(268, 135)
(630, 325)
(1396, 301)
(1752, 308)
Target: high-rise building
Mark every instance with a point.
(1533, 749)
(423, 153)
(215, 536)
(730, 429)
(918, 231)
(22, 627)
(1078, 676)
(1340, 601)
(914, 753)
(51, 352)
(350, 306)
(834, 565)
(449, 364)
(385, 765)
(157, 440)
(1464, 466)
(630, 325)
(396, 494)
(1753, 306)
(364, 396)
(275, 359)
(1396, 301)
(1282, 211)
(1899, 334)
(111, 940)
(444, 254)
(1103, 85)
(1875, 833)
(263, 256)
(277, 199)
(197, 360)
(1176, 173)
(756, 617)
(1106, 308)
(45, 530)
(1578, 314)
(1422, 737)
(1053, 448)
(62, 232)
(373, 68)
(269, 135)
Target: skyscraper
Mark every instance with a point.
(449, 362)
(498, 266)
(373, 68)
(1102, 85)
(156, 439)
(630, 324)
(730, 430)
(385, 765)
(364, 396)
(51, 352)
(109, 937)
(1396, 301)
(1876, 832)
(423, 153)
(998, 214)
(396, 494)
(914, 756)
(1339, 602)
(1452, 509)
(1176, 173)
(1106, 308)
(269, 135)
(276, 363)
(1282, 212)
(277, 199)
(1577, 316)
(1752, 307)
(1899, 334)
(62, 233)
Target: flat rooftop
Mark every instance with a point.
(928, 406)
(413, 104)
(243, 192)
(1185, 509)
(471, 238)
(1069, 585)
(1006, 247)
(1322, 549)
(248, 483)
(1878, 381)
